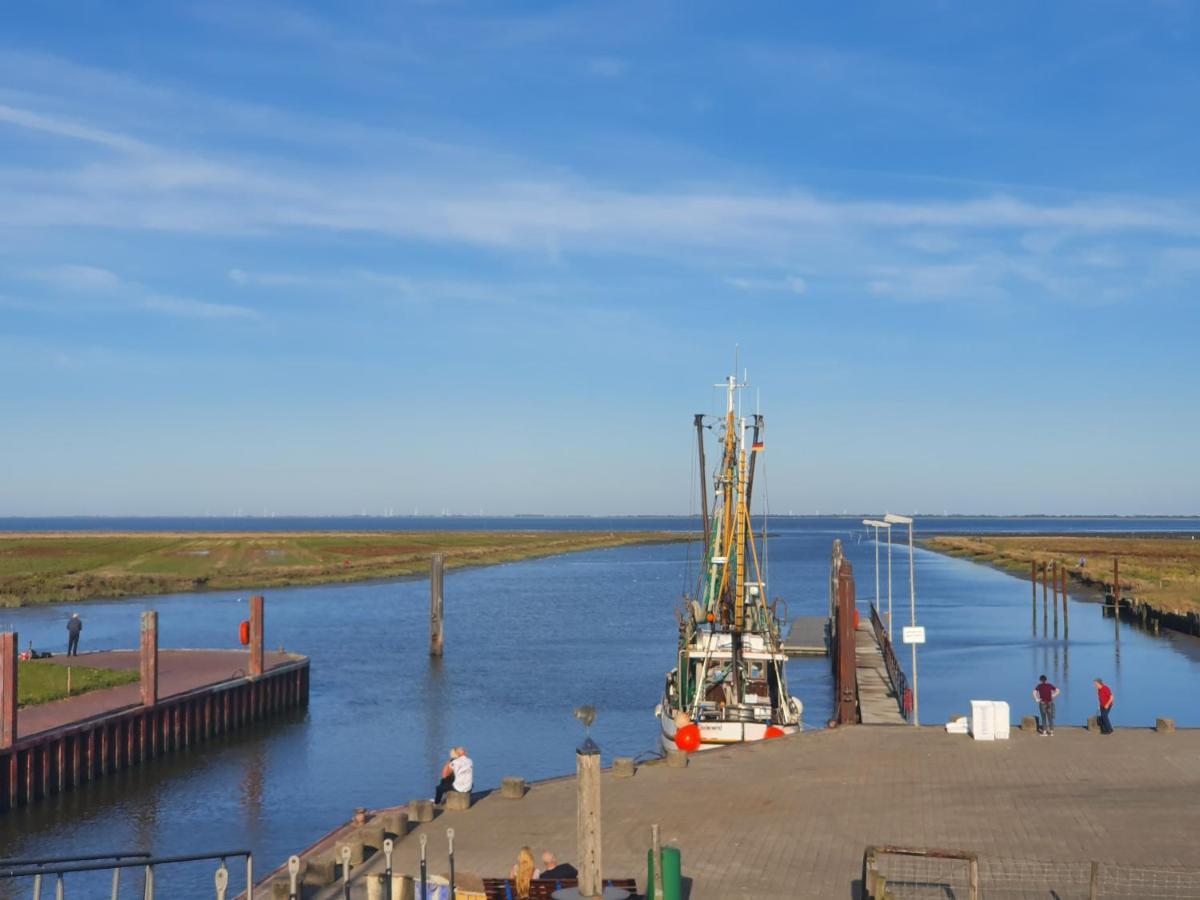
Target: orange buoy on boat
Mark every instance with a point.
(244, 633)
(687, 738)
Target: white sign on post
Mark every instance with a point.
(914, 634)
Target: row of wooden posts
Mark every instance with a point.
(1056, 576)
(148, 666)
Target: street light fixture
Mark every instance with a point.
(876, 524)
(894, 519)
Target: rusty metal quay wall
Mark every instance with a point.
(61, 759)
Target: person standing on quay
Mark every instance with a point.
(74, 626)
(1044, 693)
(1105, 695)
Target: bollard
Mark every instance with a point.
(677, 759)
(1093, 723)
(450, 844)
(458, 800)
(420, 810)
(371, 835)
(395, 823)
(623, 767)
(1029, 723)
(321, 870)
(353, 846)
(1164, 726)
(512, 787)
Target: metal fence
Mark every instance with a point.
(909, 872)
(899, 680)
(55, 869)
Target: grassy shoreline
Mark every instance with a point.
(44, 682)
(1162, 571)
(60, 567)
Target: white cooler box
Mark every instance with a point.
(1002, 719)
(983, 720)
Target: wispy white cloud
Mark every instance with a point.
(76, 277)
(792, 284)
(32, 121)
(196, 309)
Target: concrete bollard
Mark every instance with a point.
(623, 767)
(1029, 723)
(321, 870)
(371, 835)
(281, 888)
(458, 800)
(677, 759)
(420, 810)
(394, 823)
(356, 850)
(1164, 726)
(1093, 723)
(512, 787)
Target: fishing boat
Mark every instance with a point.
(729, 684)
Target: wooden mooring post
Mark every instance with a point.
(149, 658)
(1054, 582)
(1045, 608)
(256, 636)
(1033, 588)
(8, 688)
(1066, 609)
(436, 572)
(587, 776)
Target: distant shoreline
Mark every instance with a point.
(71, 567)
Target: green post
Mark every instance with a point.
(672, 877)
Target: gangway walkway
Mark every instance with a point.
(808, 636)
(877, 700)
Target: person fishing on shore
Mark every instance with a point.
(1105, 695)
(1044, 693)
(74, 626)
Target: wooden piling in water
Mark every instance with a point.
(1054, 582)
(148, 663)
(1066, 609)
(436, 571)
(1045, 607)
(1033, 587)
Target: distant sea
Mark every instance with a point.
(924, 524)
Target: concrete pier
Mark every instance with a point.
(791, 817)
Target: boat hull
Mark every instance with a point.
(719, 734)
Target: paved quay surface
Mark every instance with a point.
(790, 817)
(179, 671)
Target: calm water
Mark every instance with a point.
(526, 642)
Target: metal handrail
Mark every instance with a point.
(115, 863)
(44, 860)
(895, 672)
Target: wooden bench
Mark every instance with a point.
(544, 888)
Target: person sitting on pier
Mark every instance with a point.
(552, 868)
(522, 873)
(457, 775)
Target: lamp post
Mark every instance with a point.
(876, 524)
(894, 519)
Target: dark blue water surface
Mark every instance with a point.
(526, 642)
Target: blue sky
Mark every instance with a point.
(327, 258)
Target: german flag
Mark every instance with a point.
(758, 445)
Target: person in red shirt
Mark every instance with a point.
(1044, 693)
(1105, 695)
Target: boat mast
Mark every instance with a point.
(703, 477)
